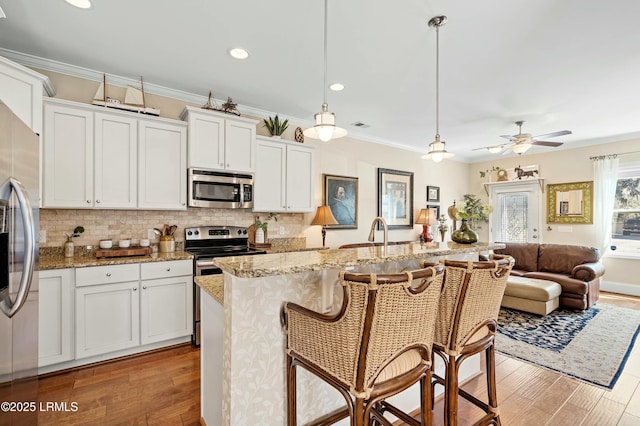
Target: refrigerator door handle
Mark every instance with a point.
(8, 307)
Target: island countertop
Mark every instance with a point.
(305, 261)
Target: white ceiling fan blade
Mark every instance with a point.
(554, 134)
(508, 137)
(545, 143)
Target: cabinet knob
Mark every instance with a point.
(108, 274)
(144, 287)
(135, 289)
(221, 164)
(88, 201)
(168, 269)
(98, 201)
(227, 164)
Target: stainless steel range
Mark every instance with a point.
(206, 243)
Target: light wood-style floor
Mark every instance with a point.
(163, 388)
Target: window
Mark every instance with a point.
(626, 211)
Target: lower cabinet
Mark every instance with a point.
(121, 307)
(55, 316)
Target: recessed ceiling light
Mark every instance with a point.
(336, 87)
(82, 4)
(239, 53)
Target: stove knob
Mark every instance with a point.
(189, 233)
(196, 232)
(244, 231)
(239, 231)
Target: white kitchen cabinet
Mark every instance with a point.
(162, 166)
(116, 161)
(166, 304)
(56, 316)
(68, 156)
(107, 309)
(95, 157)
(283, 179)
(219, 141)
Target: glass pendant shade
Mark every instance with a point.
(437, 151)
(325, 128)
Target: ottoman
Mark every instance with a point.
(531, 295)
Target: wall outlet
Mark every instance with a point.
(43, 236)
(281, 230)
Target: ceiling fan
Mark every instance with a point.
(521, 142)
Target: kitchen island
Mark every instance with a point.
(242, 349)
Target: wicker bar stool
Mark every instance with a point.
(466, 325)
(376, 346)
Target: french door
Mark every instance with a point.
(516, 212)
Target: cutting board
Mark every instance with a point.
(123, 252)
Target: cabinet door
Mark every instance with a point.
(299, 179)
(240, 142)
(55, 317)
(107, 318)
(270, 179)
(162, 166)
(116, 164)
(166, 308)
(68, 157)
(206, 141)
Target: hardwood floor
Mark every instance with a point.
(163, 388)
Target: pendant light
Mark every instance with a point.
(325, 128)
(437, 148)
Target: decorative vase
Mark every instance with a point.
(69, 247)
(464, 235)
(259, 236)
(443, 232)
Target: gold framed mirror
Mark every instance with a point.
(570, 202)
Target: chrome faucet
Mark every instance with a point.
(373, 230)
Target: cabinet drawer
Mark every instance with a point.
(172, 268)
(107, 274)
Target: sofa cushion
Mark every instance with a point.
(525, 255)
(562, 258)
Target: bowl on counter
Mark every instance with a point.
(144, 242)
(106, 244)
(124, 243)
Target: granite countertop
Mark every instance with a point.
(60, 262)
(213, 285)
(304, 261)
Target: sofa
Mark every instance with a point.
(577, 269)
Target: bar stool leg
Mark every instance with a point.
(291, 392)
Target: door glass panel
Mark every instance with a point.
(512, 218)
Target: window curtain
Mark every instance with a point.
(605, 179)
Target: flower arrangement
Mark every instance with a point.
(442, 223)
(263, 224)
(472, 208)
(483, 173)
(76, 232)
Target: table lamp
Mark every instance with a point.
(323, 218)
(425, 217)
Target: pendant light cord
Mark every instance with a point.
(438, 81)
(325, 50)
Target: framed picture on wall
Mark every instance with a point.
(434, 212)
(395, 198)
(340, 193)
(433, 194)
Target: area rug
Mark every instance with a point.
(591, 346)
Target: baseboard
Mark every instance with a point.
(621, 288)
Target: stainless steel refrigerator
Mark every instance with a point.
(19, 218)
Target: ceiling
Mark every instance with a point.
(571, 64)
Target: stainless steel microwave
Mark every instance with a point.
(208, 188)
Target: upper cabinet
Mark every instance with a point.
(219, 141)
(98, 158)
(283, 179)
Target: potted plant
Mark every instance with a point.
(69, 248)
(261, 227)
(471, 209)
(484, 173)
(275, 126)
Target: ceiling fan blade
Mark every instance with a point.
(545, 143)
(508, 137)
(554, 134)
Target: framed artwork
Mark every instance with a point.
(340, 193)
(436, 210)
(395, 198)
(433, 194)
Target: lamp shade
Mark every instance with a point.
(423, 217)
(521, 147)
(324, 217)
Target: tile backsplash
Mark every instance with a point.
(118, 224)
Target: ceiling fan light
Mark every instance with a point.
(521, 148)
(495, 149)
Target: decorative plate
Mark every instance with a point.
(299, 136)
